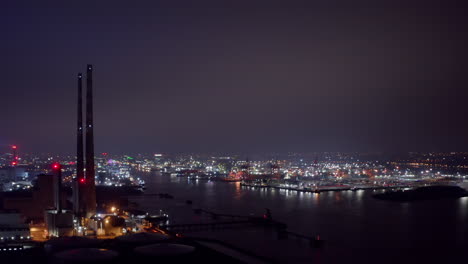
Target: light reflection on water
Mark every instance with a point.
(337, 196)
(345, 219)
(359, 194)
(316, 198)
(238, 191)
(463, 208)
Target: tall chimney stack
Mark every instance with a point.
(90, 177)
(57, 168)
(78, 190)
(14, 160)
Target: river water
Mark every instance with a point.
(355, 226)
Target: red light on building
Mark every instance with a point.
(56, 166)
(13, 147)
(82, 180)
(104, 153)
(14, 163)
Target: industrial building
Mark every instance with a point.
(12, 227)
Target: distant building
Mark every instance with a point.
(32, 204)
(108, 225)
(16, 186)
(59, 223)
(9, 174)
(12, 227)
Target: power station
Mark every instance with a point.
(84, 186)
(78, 206)
(60, 222)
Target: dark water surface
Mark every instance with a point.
(356, 227)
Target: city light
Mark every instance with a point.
(240, 132)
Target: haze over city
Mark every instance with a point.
(237, 76)
(233, 131)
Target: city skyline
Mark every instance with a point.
(233, 131)
(301, 77)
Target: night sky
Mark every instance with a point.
(250, 76)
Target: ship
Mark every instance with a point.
(433, 192)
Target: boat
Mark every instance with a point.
(433, 192)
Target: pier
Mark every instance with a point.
(204, 226)
(240, 221)
(325, 188)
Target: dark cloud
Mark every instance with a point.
(237, 76)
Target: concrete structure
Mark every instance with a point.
(84, 189)
(79, 183)
(12, 227)
(108, 225)
(90, 169)
(59, 223)
(33, 204)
